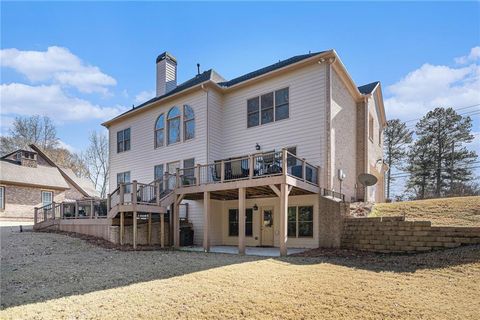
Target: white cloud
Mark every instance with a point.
(433, 86)
(52, 101)
(144, 96)
(65, 145)
(474, 55)
(58, 65)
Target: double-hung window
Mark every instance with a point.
(124, 177)
(188, 123)
(189, 171)
(269, 107)
(123, 140)
(160, 131)
(300, 221)
(47, 198)
(233, 222)
(253, 117)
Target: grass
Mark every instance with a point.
(461, 211)
(52, 276)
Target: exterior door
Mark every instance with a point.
(172, 170)
(267, 227)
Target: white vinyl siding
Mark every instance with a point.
(143, 156)
(304, 127)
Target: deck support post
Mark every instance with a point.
(162, 230)
(206, 221)
(283, 219)
(149, 233)
(122, 227)
(134, 205)
(176, 222)
(134, 230)
(92, 209)
(241, 220)
(250, 166)
(35, 216)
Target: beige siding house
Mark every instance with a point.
(249, 161)
(29, 179)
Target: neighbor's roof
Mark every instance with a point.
(83, 183)
(368, 88)
(39, 176)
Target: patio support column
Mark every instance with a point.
(149, 230)
(283, 218)
(134, 229)
(162, 230)
(176, 223)
(206, 221)
(122, 227)
(241, 220)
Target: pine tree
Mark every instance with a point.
(396, 139)
(439, 158)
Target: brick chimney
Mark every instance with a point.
(166, 73)
(27, 158)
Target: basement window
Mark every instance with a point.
(300, 222)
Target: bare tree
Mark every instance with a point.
(27, 130)
(95, 158)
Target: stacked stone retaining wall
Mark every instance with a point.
(394, 234)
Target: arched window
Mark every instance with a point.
(188, 123)
(173, 125)
(160, 131)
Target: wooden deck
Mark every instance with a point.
(262, 175)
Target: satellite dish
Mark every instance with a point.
(367, 179)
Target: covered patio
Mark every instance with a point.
(249, 251)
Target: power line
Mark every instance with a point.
(460, 108)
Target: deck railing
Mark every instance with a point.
(333, 194)
(88, 208)
(249, 167)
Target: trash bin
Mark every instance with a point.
(186, 236)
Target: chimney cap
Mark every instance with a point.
(166, 55)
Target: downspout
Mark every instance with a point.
(365, 151)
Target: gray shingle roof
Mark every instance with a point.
(269, 68)
(40, 176)
(214, 76)
(368, 88)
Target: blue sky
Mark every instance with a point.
(99, 58)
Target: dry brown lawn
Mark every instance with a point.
(53, 276)
(461, 211)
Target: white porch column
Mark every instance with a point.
(241, 220)
(206, 221)
(283, 219)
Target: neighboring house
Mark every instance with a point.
(308, 104)
(29, 179)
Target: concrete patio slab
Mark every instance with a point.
(250, 251)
